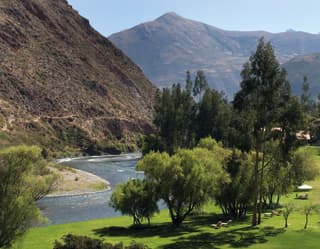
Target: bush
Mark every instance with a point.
(83, 242)
(137, 198)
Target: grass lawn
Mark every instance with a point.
(196, 231)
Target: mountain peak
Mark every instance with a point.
(170, 16)
(168, 46)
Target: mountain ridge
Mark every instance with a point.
(304, 65)
(169, 45)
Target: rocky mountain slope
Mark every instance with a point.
(304, 65)
(168, 46)
(63, 85)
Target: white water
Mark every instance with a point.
(115, 169)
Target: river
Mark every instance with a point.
(115, 169)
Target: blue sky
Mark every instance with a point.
(110, 16)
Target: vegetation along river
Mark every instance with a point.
(115, 169)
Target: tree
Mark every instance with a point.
(200, 85)
(305, 98)
(307, 210)
(277, 180)
(263, 95)
(213, 116)
(174, 118)
(181, 122)
(20, 186)
(276, 183)
(189, 83)
(136, 198)
(234, 197)
(304, 166)
(185, 180)
(288, 208)
(152, 142)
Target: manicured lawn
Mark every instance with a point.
(196, 231)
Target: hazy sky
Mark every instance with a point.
(110, 16)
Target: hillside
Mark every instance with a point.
(168, 46)
(64, 86)
(304, 65)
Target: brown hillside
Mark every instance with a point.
(62, 84)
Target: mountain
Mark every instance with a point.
(168, 46)
(63, 85)
(304, 65)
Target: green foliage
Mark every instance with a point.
(174, 115)
(189, 83)
(277, 180)
(213, 116)
(136, 198)
(83, 242)
(184, 181)
(181, 122)
(152, 143)
(24, 178)
(308, 209)
(235, 197)
(304, 166)
(263, 102)
(308, 104)
(215, 148)
(287, 209)
(200, 84)
(291, 120)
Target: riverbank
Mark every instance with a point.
(76, 182)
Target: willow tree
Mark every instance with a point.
(261, 100)
(186, 180)
(136, 198)
(20, 186)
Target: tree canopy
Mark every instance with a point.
(185, 180)
(20, 168)
(136, 198)
(263, 101)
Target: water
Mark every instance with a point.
(115, 169)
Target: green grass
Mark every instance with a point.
(196, 231)
(99, 186)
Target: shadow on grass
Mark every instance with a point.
(161, 230)
(192, 235)
(241, 237)
(211, 218)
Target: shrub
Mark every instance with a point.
(71, 241)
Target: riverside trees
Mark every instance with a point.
(234, 197)
(20, 186)
(136, 198)
(187, 179)
(181, 121)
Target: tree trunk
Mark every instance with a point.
(177, 221)
(261, 183)
(286, 222)
(278, 200)
(255, 191)
(306, 224)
